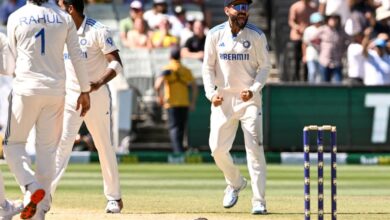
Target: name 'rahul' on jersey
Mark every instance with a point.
(42, 18)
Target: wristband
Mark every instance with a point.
(116, 66)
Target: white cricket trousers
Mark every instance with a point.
(45, 112)
(98, 121)
(2, 189)
(223, 127)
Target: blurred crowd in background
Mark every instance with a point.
(324, 33)
(163, 25)
(160, 28)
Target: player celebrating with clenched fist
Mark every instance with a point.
(235, 69)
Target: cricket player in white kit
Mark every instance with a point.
(37, 33)
(5, 81)
(235, 69)
(7, 208)
(103, 61)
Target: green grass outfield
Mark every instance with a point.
(186, 192)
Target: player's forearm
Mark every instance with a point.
(208, 83)
(107, 77)
(262, 73)
(81, 72)
(208, 68)
(11, 60)
(76, 57)
(260, 80)
(264, 66)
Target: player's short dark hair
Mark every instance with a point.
(38, 2)
(78, 5)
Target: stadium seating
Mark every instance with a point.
(104, 13)
(121, 10)
(101, 11)
(160, 58)
(137, 68)
(194, 65)
(193, 10)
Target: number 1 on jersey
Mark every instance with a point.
(41, 34)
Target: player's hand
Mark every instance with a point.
(84, 102)
(217, 100)
(95, 86)
(246, 95)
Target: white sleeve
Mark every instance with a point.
(10, 60)
(264, 64)
(208, 68)
(106, 42)
(4, 51)
(3, 47)
(78, 63)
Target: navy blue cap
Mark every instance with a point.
(229, 2)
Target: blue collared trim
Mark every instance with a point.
(254, 28)
(218, 27)
(93, 23)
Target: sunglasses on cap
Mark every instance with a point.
(241, 7)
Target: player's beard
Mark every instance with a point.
(236, 21)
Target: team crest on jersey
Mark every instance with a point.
(110, 41)
(246, 44)
(83, 42)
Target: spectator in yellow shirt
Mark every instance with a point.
(161, 38)
(174, 81)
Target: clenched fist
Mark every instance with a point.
(217, 100)
(246, 95)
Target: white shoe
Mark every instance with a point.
(9, 209)
(114, 206)
(231, 194)
(259, 208)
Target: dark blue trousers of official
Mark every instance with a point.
(177, 120)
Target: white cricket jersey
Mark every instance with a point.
(6, 59)
(37, 35)
(234, 63)
(95, 41)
